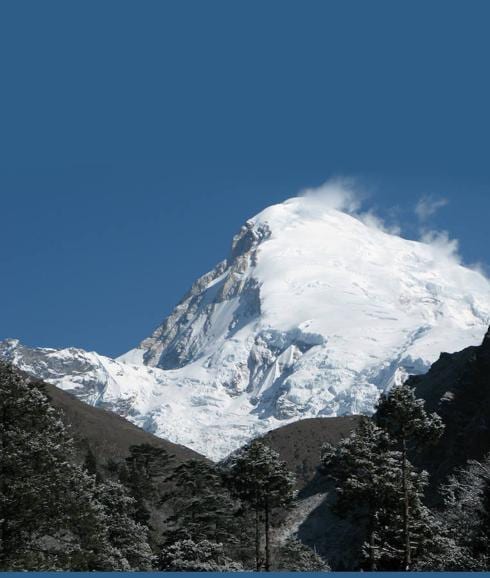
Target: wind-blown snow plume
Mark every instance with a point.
(340, 194)
(346, 194)
(443, 245)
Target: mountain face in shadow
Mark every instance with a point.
(457, 387)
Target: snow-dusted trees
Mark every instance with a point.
(53, 515)
(259, 477)
(411, 428)
(365, 468)
(202, 556)
(203, 507)
(124, 533)
(377, 483)
(393, 525)
(42, 495)
(463, 523)
(294, 556)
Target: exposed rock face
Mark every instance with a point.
(183, 334)
(313, 314)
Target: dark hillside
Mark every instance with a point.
(299, 444)
(108, 435)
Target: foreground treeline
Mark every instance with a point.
(142, 513)
(151, 512)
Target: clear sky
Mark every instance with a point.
(136, 137)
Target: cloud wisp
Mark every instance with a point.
(341, 194)
(428, 205)
(347, 195)
(440, 241)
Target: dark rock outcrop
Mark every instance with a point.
(457, 387)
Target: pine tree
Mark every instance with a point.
(141, 474)
(152, 461)
(462, 541)
(404, 418)
(365, 469)
(190, 556)
(203, 508)
(53, 514)
(82, 542)
(260, 478)
(125, 534)
(294, 556)
(49, 516)
(391, 530)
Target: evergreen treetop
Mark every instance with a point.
(405, 419)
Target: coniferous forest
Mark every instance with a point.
(64, 510)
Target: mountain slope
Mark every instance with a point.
(314, 313)
(299, 444)
(108, 435)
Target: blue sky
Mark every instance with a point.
(136, 137)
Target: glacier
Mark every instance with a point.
(314, 313)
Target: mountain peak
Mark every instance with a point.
(315, 312)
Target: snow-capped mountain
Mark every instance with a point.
(314, 313)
